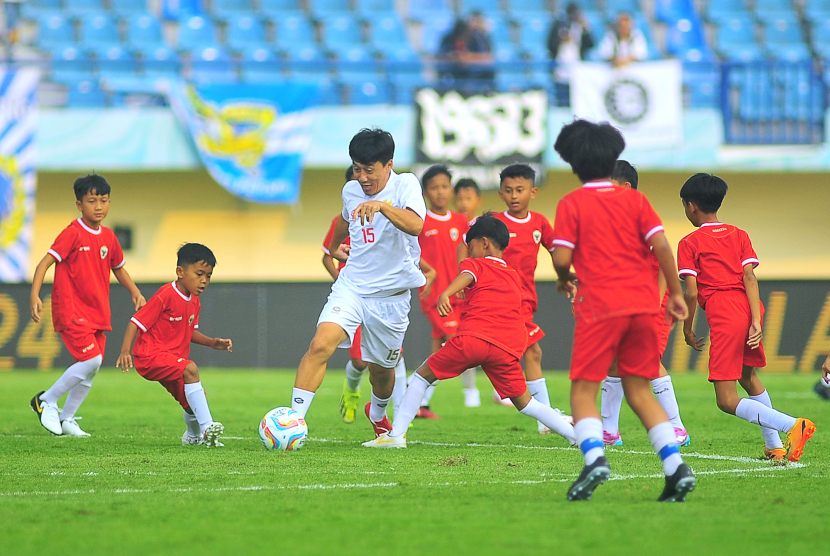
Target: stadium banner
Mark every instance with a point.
(643, 100)
(251, 138)
(272, 323)
(18, 121)
(477, 135)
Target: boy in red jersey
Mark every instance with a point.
(612, 392)
(717, 262)
(528, 231)
(607, 232)
(491, 334)
(86, 252)
(166, 326)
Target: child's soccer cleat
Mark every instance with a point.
(591, 477)
(425, 412)
(47, 414)
(797, 437)
(543, 429)
(775, 454)
(609, 439)
(822, 391)
(381, 427)
(386, 441)
(212, 435)
(498, 399)
(70, 428)
(472, 397)
(681, 483)
(683, 438)
(349, 402)
(190, 440)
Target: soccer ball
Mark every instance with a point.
(282, 428)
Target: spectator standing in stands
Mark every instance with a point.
(468, 51)
(624, 44)
(569, 41)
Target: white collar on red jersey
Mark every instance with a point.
(495, 259)
(524, 220)
(602, 183)
(711, 224)
(88, 229)
(176, 289)
(444, 218)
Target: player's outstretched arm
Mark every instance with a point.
(36, 305)
(126, 280)
(223, 344)
(754, 296)
(403, 219)
(562, 258)
(341, 232)
(125, 360)
(331, 268)
(461, 281)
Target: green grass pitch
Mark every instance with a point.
(478, 481)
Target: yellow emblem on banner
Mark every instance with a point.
(12, 223)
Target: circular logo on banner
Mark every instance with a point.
(626, 101)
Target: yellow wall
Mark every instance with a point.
(786, 216)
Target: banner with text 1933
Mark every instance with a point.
(643, 100)
(479, 134)
(251, 138)
(18, 119)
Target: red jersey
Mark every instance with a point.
(328, 238)
(522, 252)
(439, 241)
(166, 323)
(81, 292)
(716, 255)
(493, 305)
(608, 228)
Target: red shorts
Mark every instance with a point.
(354, 349)
(632, 339)
(663, 331)
(464, 352)
(166, 369)
(442, 327)
(84, 343)
(729, 319)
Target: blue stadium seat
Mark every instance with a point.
(260, 65)
(671, 11)
(387, 30)
(294, 31)
(520, 7)
(144, 31)
(506, 53)
(129, 8)
(766, 9)
(426, 10)
(196, 32)
(311, 72)
(160, 62)
(245, 30)
(485, 6)
(279, 7)
(719, 10)
(433, 30)
(327, 7)
(804, 96)
(817, 10)
(331, 93)
(363, 92)
(212, 64)
(55, 29)
(85, 94)
(500, 30)
(745, 52)
(174, 10)
(115, 62)
(783, 30)
(794, 52)
(356, 63)
(227, 8)
(373, 8)
(340, 30)
(533, 36)
(599, 24)
(82, 6)
(736, 30)
(99, 29)
(614, 7)
(404, 88)
(821, 38)
(35, 9)
(71, 64)
(702, 83)
(307, 57)
(684, 35)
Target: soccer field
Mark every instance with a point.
(478, 481)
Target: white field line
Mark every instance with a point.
(221, 489)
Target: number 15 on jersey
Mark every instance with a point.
(368, 235)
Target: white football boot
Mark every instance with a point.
(70, 428)
(190, 440)
(386, 441)
(212, 435)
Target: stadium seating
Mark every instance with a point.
(70, 64)
(85, 93)
(487, 7)
(212, 64)
(340, 31)
(245, 31)
(260, 65)
(372, 8)
(129, 8)
(115, 62)
(386, 31)
(196, 32)
(144, 31)
(294, 31)
(160, 62)
(99, 29)
(275, 8)
(55, 29)
(228, 8)
(84, 6)
(364, 92)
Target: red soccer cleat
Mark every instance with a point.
(381, 427)
(426, 413)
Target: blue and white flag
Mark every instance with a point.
(251, 138)
(18, 119)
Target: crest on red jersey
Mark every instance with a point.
(537, 236)
(104, 251)
(191, 319)
(454, 234)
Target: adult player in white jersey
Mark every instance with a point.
(383, 213)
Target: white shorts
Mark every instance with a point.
(384, 320)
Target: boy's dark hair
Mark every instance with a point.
(191, 253)
(91, 183)
(519, 170)
(372, 145)
(467, 183)
(433, 171)
(349, 174)
(490, 227)
(625, 172)
(705, 190)
(591, 149)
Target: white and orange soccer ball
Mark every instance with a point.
(282, 428)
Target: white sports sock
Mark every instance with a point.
(539, 390)
(588, 434)
(71, 377)
(427, 394)
(301, 401)
(197, 401)
(663, 388)
(409, 404)
(664, 441)
(757, 413)
(400, 384)
(192, 424)
(78, 393)
(468, 379)
(771, 438)
(611, 403)
(377, 410)
(550, 418)
(353, 377)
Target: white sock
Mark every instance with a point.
(192, 424)
(550, 418)
(427, 394)
(409, 404)
(663, 388)
(468, 379)
(539, 390)
(71, 377)
(611, 403)
(400, 384)
(377, 411)
(301, 401)
(78, 393)
(664, 441)
(771, 438)
(353, 377)
(757, 413)
(588, 434)
(197, 401)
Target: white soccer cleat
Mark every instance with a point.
(386, 441)
(568, 418)
(472, 397)
(212, 435)
(190, 440)
(48, 414)
(70, 428)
